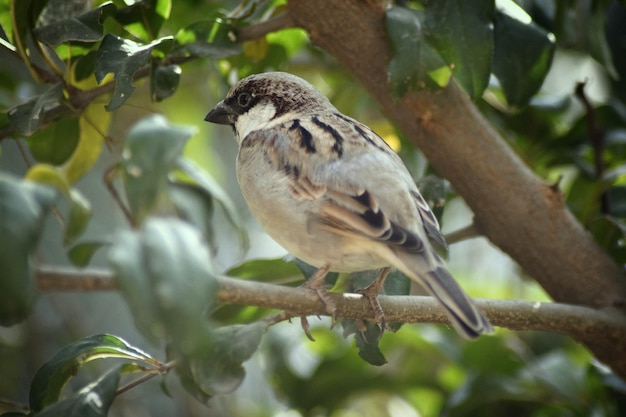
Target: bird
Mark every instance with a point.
(334, 194)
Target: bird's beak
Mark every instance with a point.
(221, 114)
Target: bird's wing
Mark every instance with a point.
(362, 185)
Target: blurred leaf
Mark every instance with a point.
(413, 58)
(80, 214)
(216, 192)
(84, 66)
(80, 255)
(165, 274)
(151, 150)
(144, 19)
(308, 271)
(85, 27)
(52, 376)
(55, 144)
(23, 206)
(522, 58)
(196, 206)
(610, 233)
(27, 116)
(123, 58)
(48, 175)
(164, 81)
(24, 14)
(209, 39)
(462, 32)
(256, 49)
(94, 123)
(219, 369)
(92, 400)
(275, 271)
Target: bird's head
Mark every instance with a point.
(262, 100)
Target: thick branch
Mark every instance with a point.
(581, 323)
(517, 211)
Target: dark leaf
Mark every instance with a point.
(308, 271)
(79, 216)
(414, 62)
(86, 27)
(56, 143)
(164, 81)
(23, 206)
(367, 335)
(80, 255)
(610, 233)
(92, 400)
(522, 57)
(196, 206)
(27, 116)
(151, 150)
(123, 58)
(52, 376)
(462, 31)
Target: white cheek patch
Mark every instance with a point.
(258, 117)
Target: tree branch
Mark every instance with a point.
(281, 21)
(581, 323)
(517, 211)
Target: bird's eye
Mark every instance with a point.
(244, 99)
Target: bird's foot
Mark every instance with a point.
(371, 294)
(316, 283)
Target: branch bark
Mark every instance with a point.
(580, 323)
(515, 209)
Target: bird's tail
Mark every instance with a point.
(466, 318)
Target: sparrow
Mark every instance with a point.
(334, 194)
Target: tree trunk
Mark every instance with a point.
(516, 210)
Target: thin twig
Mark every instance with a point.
(276, 23)
(465, 233)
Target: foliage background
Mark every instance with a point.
(429, 370)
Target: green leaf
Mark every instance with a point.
(56, 143)
(277, 271)
(123, 58)
(23, 206)
(209, 39)
(151, 150)
(367, 335)
(195, 206)
(165, 274)
(92, 400)
(462, 31)
(522, 57)
(219, 370)
(610, 233)
(52, 376)
(206, 183)
(80, 255)
(144, 19)
(413, 58)
(27, 116)
(85, 27)
(164, 81)
(80, 214)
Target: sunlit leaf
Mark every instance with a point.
(23, 206)
(151, 150)
(85, 27)
(144, 19)
(48, 175)
(462, 31)
(94, 123)
(52, 376)
(123, 58)
(207, 39)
